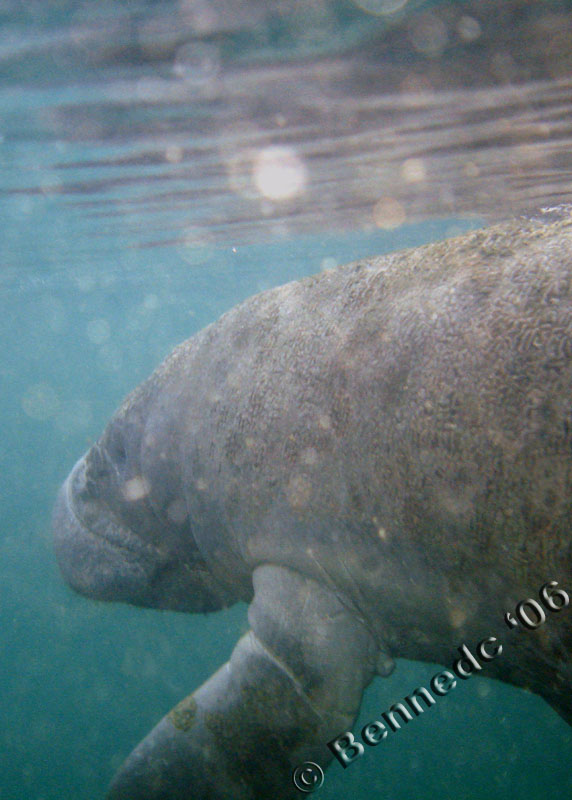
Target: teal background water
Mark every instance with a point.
(88, 309)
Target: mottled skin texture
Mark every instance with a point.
(378, 459)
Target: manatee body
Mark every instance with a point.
(379, 460)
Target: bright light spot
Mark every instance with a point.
(298, 492)
(136, 488)
(234, 379)
(329, 262)
(416, 91)
(150, 302)
(324, 422)
(197, 247)
(428, 35)
(40, 402)
(471, 170)
(309, 456)
(468, 29)
(50, 185)
(413, 170)
(98, 331)
(197, 63)
(388, 213)
(85, 282)
(279, 173)
(109, 357)
(174, 154)
(457, 616)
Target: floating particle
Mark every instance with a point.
(40, 402)
(98, 331)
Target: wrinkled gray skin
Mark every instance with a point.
(379, 460)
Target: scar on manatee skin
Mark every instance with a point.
(183, 715)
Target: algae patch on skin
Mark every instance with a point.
(183, 715)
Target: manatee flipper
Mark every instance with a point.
(293, 683)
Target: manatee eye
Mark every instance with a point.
(117, 451)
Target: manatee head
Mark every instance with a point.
(121, 526)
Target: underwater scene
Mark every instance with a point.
(160, 163)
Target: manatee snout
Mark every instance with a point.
(98, 557)
(102, 557)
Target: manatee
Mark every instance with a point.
(378, 460)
